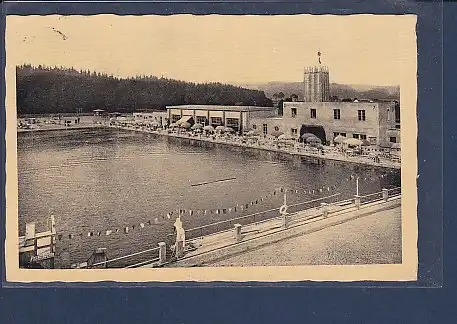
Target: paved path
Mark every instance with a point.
(373, 239)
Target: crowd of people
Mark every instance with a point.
(306, 145)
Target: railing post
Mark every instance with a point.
(324, 207)
(237, 232)
(162, 252)
(357, 201)
(285, 221)
(385, 194)
(179, 249)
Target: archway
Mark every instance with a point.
(317, 130)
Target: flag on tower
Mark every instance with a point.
(319, 56)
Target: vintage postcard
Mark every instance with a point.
(211, 148)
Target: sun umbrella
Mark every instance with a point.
(276, 133)
(252, 133)
(208, 128)
(385, 144)
(197, 126)
(353, 142)
(339, 139)
(220, 128)
(155, 123)
(173, 125)
(306, 135)
(313, 139)
(284, 137)
(396, 146)
(229, 130)
(185, 125)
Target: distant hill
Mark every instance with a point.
(340, 90)
(61, 90)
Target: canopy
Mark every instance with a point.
(185, 125)
(276, 133)
(174, 125)
(184, 119)
(220, 128)
(208, 128)
(197, 126)
(229, 130)
(353, 141)
(313, 139)
(306, 135)
(339, 139)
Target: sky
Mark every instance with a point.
(362, 49)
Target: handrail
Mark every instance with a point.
(370, 195)
(142, 263)
(124, 257)
(258, 213)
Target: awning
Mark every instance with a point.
(184, 119)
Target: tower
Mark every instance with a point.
(316, 82)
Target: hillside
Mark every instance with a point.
(340, 90)
(58, 90)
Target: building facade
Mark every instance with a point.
(236, 117)
(158, 116)
(371, 121)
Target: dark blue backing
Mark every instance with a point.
(286, 305)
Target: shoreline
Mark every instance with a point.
(62, 128)
(320, 158)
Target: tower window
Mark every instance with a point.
(277, 128)
(265, 129)
(293, 112)
(313, 113)
(361, 115)
(393, 139)
(336, 114)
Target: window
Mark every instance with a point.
(393, 139)
(363, 137)
(361, 115)
(265, 129)
(201, 120)
(313, 113)
(294, 132)
(343, 134)
(372, 140)
(336, 114)
(233, 122)
(254, 126)
(293, 112)
(277, 128)
(216, 121)
(355, 136)
(175, 118)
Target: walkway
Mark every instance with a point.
(329, 154)
(219, 248)
(373, 239)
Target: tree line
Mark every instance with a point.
(41, 89)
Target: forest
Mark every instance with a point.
(41, 90)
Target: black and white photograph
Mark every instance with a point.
(204, 148)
